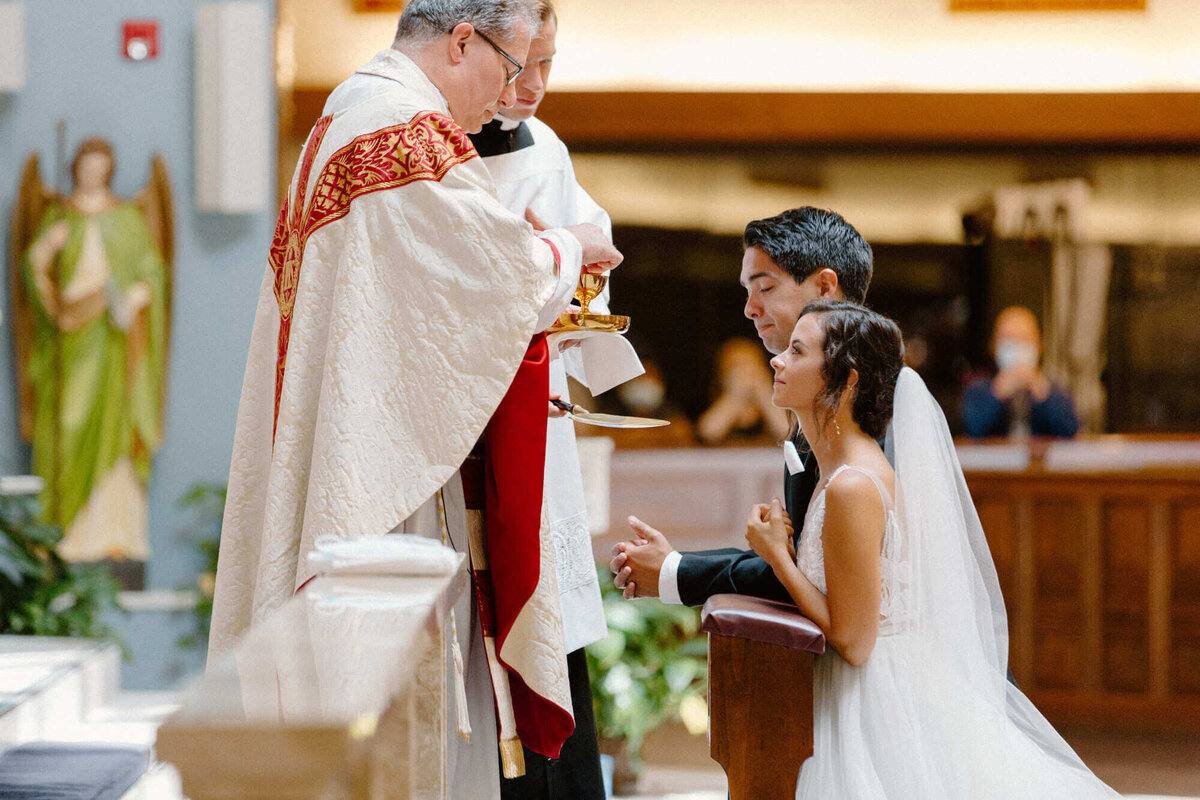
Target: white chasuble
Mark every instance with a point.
(398, 302)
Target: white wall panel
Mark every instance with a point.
(12, 46)
(233, 107)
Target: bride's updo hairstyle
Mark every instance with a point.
(858, 338)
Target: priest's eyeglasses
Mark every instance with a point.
(508, 79)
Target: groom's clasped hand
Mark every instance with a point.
(769, 532)
(635, 564)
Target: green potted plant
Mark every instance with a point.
(40, 593)
(206, 501)
(652, 667)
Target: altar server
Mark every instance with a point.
(532, 170)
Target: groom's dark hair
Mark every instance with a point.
(804, 240)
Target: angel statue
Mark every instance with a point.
(91, 285)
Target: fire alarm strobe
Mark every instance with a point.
(139, 39)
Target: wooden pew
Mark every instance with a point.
(760, 696)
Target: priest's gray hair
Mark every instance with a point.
(426, 20)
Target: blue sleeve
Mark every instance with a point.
(1054, 416)
(983, 414)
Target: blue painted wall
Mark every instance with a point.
(75, 71)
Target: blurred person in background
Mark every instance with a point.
(1019, 400)
(645, 396)
(743, 407)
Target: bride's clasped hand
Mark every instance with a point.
(769, 532)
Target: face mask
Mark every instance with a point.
(1015, 353)
(642, 394)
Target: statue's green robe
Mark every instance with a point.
(96, 402)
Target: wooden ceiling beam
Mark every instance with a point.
(613, 120)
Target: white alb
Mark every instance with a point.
(541, 177)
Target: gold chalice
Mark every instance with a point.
(590, 286)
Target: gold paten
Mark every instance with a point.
(590, 285)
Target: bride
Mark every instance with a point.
(893, 566)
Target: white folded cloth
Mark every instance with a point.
(603, 359)
(382, 555)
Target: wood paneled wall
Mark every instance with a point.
(873, 118)
(1101, 576)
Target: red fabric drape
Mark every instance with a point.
(515, 462)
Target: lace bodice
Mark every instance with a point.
(894, 567)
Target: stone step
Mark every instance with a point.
(51, 684)
(66, 690)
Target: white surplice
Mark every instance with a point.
(540, 177)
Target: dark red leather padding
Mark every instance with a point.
(766, 621)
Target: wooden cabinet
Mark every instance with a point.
(1101, 577)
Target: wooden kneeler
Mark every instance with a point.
(760, 693)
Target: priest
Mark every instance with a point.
(533, 173)
(397, 333)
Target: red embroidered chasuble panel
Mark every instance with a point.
(423, 149)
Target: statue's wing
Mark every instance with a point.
(33, 197)
(155, 202)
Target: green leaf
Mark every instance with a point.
(20, 563)
(608, 650)
(625, 617)
(42, 533)
(206, 502)
(203, 494)
(679, 674)
(652, 658)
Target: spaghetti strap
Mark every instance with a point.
(875, 479)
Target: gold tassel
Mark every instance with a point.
(512, 757)
(460, 685)
(462, 716)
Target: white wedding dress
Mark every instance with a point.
(930, 714)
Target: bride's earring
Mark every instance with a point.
(837, 429)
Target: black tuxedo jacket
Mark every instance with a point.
(703, 573)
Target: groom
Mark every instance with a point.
(792, 259)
